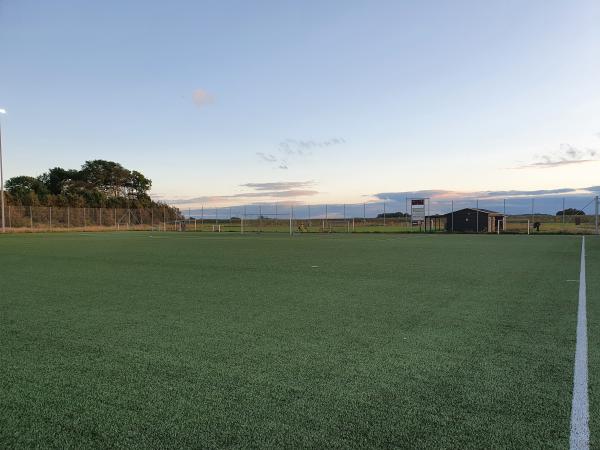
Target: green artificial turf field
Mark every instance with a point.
(221, 340)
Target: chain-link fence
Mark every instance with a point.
(53, 218)
(515, 215)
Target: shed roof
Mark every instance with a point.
(485, 211)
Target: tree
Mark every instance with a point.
(571, 212)
(107, 176)
(58, 179)
(392, 215)
(22, 187)
(138, 184)
(99, 183)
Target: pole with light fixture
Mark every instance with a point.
(2, 111)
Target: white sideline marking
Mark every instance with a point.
(580, 413)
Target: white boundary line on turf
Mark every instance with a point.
(580, 411)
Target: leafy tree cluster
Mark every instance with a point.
(571, 212)
(98, 184)
(392, 215)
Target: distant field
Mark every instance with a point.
(147, 339)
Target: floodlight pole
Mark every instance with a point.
(2, 183)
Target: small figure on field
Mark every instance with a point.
(536, 226)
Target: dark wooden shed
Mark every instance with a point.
(472, 220)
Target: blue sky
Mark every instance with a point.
(331, 101)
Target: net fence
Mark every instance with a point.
(512, 215)
(53, 218)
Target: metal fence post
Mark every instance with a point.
(596, 213)
(452, 215)
(563, 214)
(68, 217)
(31, 217)
(50, 217)
(477, 212)
(384, 214)
(291, 215)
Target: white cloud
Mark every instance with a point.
(291, 149)
(279, 185)
(268, 157)
(565, 156)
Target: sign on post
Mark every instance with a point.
(417, 211)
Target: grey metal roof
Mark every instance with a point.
(485, 211)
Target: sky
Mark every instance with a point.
(232, 102)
